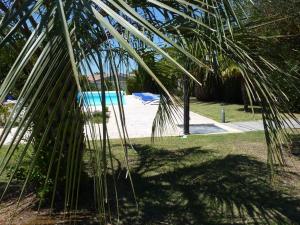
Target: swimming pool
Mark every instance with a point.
(93, 98)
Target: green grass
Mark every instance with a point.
(215, 179)
(26, 161)
(233, 112)
(207, 179)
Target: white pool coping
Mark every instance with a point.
(139, 118)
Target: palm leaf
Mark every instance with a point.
(72, 37)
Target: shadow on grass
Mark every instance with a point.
(192, 186)
(256, 110)
(195, 101)
(229, 190)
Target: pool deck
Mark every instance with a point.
(139, 119)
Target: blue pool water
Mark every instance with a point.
(93, 98)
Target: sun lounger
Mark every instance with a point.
(147, 98)
(7, 102)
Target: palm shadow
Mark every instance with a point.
(255, 110)
(230, 190)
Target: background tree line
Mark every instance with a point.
(272, 29)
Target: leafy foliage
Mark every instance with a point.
(277, 23)
(65, 39)
(162, 69)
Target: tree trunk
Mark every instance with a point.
(58, 141)
(244, 96)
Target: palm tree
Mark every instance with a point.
(65, 39)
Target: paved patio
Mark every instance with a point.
(257, 125)
(139, 118)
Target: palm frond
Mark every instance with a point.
(64, 39)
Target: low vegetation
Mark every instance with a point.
(97, 116)
(231, 48)
(5, 110)
(216, 179)
(233, 112)
(213, 179)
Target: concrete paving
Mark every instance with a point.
(247, 126)
(11, 135)
(139, 118)
(257, 125)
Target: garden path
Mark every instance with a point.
(256, 125)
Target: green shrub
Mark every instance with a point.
(133, 85)
(232, 90)
(97, 117)
(4, 113)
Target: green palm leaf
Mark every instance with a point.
(69, 38)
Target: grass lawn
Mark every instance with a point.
(233, 112)
(207, 179)
(216, 179)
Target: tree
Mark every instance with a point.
(162, 69)
(68, 37)
(277, 23)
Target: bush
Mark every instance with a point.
(292, 93)
(232, 90)
(97, 117)
(37, 179)
(4, 113)
(133, 85)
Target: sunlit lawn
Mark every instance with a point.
(233, 112)
(215, 179)
(206, 179)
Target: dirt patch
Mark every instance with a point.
(24, 213)
(14, 212)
